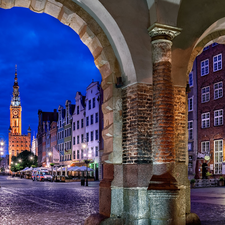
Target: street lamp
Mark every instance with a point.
(49, 154)
(88, 154)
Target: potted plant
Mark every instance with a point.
(221, 181)
(208, 174)
(192, 183)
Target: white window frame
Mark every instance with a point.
(205, 118)
(190, 129)
(204, 67)
(218, 156)
(205, 146)
(218, 91)
(191, 79)
(217, 62)
(205, 94)
(190, 104)
(218, 117)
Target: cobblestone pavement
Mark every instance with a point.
(24, 202)
(209, 205)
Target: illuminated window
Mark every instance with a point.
(218, 156)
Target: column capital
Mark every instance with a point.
(161, 31)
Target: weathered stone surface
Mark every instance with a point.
(77, 23)
(23, 3)
(38, 5)
(7, 4)
(53, 8)
(66, 15)
(101, 60)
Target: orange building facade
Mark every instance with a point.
(17, 141)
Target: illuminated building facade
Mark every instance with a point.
(17, 141)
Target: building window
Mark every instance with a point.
(78, 154)
(214, 44)
(92, 118)
(190, 104)
(87, 137)
(205, 147)
(96, 117)
(205, 94)
(78, 125)
(65, 133)
(82, 154)
(87, 121)
(191, 79)
(82, 123)
(93, 105)
(217, 62)
(218, 90)
(62, 134)
(74, 140)
(96, 135)
(82, 138)
(218, 156)
(204, 67)
(189, 146)
(74, 126)
(89, 104)
(205, 120)
(74, 155)
(78, 140)
(190, 130)
(218, 117)
(206, 48)
(92, 135)
(96, 151)
(78, 110)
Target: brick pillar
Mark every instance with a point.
(163, 190)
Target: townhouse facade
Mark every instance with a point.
(210, 137)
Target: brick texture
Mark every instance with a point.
(137, 123)
(180, 114)
(163, 113)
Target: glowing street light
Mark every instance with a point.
(20, 160)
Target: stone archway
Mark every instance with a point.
(112, 57)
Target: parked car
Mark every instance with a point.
(42, 176)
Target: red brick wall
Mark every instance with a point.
(213, 132)
(137, 123)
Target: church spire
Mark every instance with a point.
(16, 95)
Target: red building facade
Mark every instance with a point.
(210, 113)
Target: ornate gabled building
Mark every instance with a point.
(17, 141)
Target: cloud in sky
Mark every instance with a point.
(53, 64)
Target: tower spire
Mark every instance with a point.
(16, 95)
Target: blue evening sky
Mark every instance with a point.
(53, 64)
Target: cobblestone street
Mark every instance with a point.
(23, 201)
(209, 205)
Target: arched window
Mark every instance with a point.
(15, 123)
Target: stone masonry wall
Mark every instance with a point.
(180, 114)
(137, 123)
